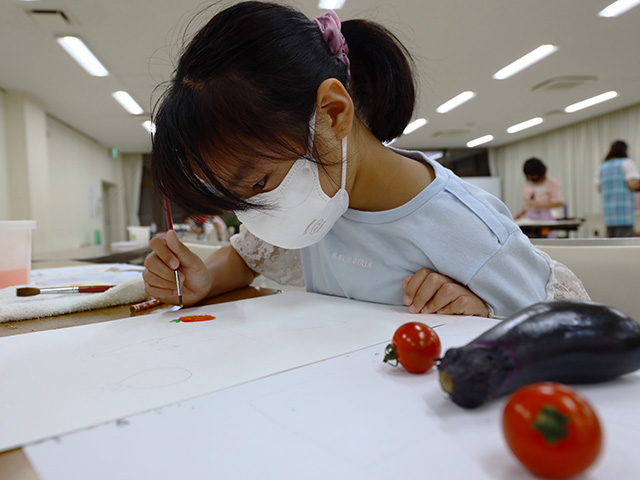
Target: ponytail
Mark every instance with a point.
(382, 83)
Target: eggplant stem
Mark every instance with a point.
(446, 382)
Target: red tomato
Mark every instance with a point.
(416, 346)
(552, 430)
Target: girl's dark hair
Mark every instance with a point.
(244, 92)
(618, 150)
(534, 166)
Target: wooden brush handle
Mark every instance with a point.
(94, 288)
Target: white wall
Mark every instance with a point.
(50, 173)
(572, 154)
(4, 166)
(77, 167)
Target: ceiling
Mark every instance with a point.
(458, 46)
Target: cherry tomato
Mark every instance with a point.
(552, 430)
(415, 346)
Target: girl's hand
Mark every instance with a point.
(431, 292)
(169, 254)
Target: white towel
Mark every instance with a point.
(47, 305)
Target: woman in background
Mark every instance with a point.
(618, 178)
(541, 193)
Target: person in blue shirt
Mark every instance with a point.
(617, 180)
(282, 119)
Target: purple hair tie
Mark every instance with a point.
(329, 25)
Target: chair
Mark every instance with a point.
(609, 269)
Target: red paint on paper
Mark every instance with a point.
(194, 318)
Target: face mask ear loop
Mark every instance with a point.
(312, 131)
(343, 182)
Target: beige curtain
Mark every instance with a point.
(132, 179)
(572, 155)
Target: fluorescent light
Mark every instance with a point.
(524, 125)
(434, 155)
(455, 102)
(149, 126)
(413, 126)
(127, 102)
(591, 101)
(81, 54)
(526, 61)
(479, 141)
(330, 4)
(618, 8)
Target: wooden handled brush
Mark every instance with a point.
(31, 291)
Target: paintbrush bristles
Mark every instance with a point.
(27, 291)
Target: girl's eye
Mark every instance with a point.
(261, 184)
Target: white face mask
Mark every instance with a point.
(301, 214)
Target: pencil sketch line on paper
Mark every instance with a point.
(156, 344)
(152, 378)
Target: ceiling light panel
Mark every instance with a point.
(591, 101)
(455, 102)
(524, 125)
(618, 8)
(526, 61)
(415, 125)
(149, 126)
(330, 4)
(479, 141)
(81, 54)
(127, 102)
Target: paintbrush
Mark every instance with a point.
(167, 208)
(31, 291)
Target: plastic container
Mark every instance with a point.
(15, 252)
(139, 234)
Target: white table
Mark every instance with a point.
(324, 407)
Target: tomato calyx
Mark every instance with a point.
(551, 424)
(390, 355)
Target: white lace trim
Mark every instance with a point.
(278, 264)
(563, 284)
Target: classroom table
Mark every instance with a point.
(537, 227)
(344, 415)
(134, 254)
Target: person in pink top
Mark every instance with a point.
(541, 192)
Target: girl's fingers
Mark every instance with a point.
(163, 253)
(466, 305)
(162, 294)
(154, 280)
(430, 283)
(446, 294)
(412, 284)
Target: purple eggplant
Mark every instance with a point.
(559, 341)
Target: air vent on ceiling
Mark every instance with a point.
(49, 18)
(564, 82)
(451, 133)
(554, 112)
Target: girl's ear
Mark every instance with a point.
(332, 99)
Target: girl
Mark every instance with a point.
(281, 119)
(618, 178)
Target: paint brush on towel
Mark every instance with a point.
(167, 208)
(31, 291)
